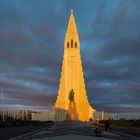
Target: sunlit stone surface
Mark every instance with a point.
(72, 77)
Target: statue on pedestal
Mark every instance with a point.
(72, 114)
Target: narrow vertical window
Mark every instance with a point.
(67, 44)
(72, 43)
(75, 44)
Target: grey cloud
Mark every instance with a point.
(31, 50)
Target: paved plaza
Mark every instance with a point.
(73, 131)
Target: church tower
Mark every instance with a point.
(72, 92)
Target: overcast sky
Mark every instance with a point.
(32, 34)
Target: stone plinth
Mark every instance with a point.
(72, 114)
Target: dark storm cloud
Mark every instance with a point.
(32, 34)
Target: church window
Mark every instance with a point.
(75, 44)
(67, 44)
(72, 43)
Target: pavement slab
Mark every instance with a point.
(73, 137)
(74, 131)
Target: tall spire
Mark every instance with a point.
(72, 78)
(72, 33)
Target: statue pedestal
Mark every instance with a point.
(72, 114)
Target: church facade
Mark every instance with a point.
(72, 96)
